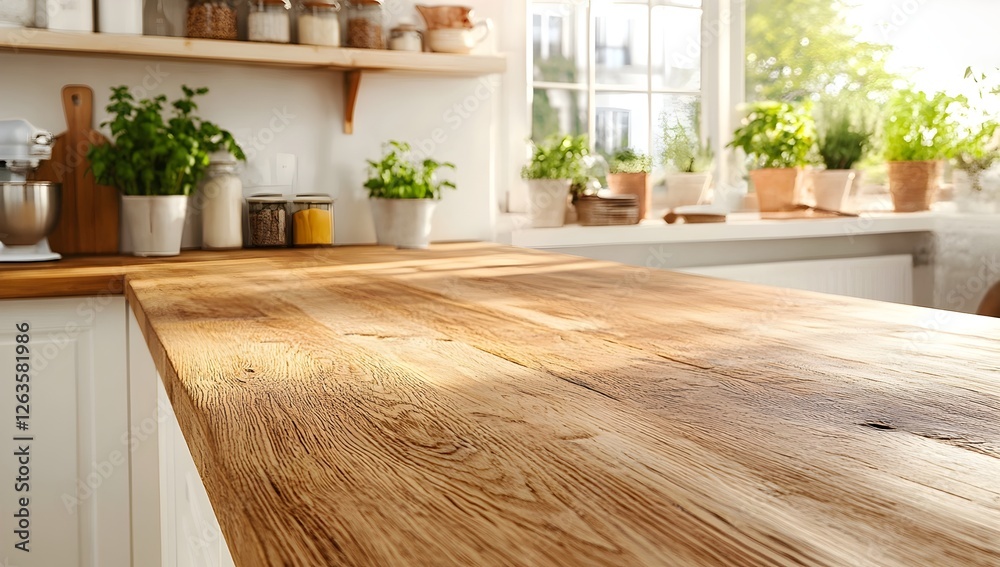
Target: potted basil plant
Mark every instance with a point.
(842, 140)
(629, 175)
(688, 162)
(777, 138)
(918, 134)
(555, 164)
(156, 162)
(403, 192)
(977, 149)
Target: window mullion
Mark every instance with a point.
(591, 75)
(649, 78)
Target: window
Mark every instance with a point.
(616, 71)
(859, 53)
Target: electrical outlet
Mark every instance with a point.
(285, 170)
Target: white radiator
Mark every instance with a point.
(883, 278)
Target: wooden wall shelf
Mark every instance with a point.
(354, 61)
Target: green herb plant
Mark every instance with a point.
(630, 161)
(776, 135)
(151, 155)
(977, 148)
(399, 175)
(919, 127)
(559, 157)
(843, 138)
(683, 152)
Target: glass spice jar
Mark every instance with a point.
(319, 23)
(269, 21)
(221, 194)
(366, 24)
(312, 220)
(211, 19)
(268, 221)
(406, 37)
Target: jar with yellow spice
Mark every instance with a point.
(312, 220)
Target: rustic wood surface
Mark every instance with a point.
(103, 275)
(483, 405)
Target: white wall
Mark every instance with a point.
(300, 112)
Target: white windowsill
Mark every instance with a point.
(740, 226)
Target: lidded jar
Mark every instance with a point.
(211, 19)
(319, 23)
(406, 37)
(366, 24)
(221, 195)
(269, 21)
(268, 221)
(312, 220)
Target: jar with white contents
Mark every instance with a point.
(221, 195)
(269, 21)
(406, 37)
(319, 23)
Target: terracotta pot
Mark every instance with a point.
(776, 188)
(547, 202)
(832, 188)
(685, 189)
(638, 184)
(913, 184)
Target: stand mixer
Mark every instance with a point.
(29, 210)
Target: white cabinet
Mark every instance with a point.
(174, 524)
(64, 433)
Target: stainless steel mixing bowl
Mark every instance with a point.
(29, 211)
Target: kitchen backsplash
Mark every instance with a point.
(275, 111)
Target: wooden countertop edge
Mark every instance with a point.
(195, 433)
(107, 275)
(246, 545)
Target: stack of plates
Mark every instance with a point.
(611, 210)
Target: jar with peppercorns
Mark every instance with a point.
(268, 222)
(366, 24)
(211, 19)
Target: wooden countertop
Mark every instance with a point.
(482, 405)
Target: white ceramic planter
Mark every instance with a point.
(832, 187)
(155, 223)
(403, 223)
(969, 199)
(685, 189)
(547, 200)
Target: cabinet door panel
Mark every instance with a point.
(64, 462)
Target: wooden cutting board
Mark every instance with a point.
(88, 221)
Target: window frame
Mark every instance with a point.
(722, 85)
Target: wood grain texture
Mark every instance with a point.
(482, 405)
(103, 275)
(89, 216)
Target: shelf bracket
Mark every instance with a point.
(352, 83)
